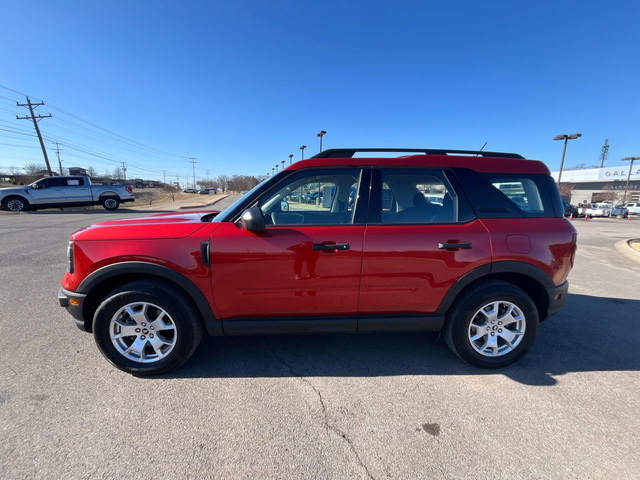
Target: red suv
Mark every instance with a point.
(471, 243)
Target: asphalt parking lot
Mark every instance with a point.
(331, 406)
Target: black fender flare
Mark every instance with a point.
(522, 268)
(214, 326)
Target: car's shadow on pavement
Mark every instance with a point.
(590, 334)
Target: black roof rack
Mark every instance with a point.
(350, 152)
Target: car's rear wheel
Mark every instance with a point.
(492, 324)
(147, 328)
(16, 204)
(110, 203)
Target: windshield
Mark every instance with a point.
(227, 213)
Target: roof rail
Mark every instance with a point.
(350, 152)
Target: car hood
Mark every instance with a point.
(154, 227)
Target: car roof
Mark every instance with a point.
(479, 164)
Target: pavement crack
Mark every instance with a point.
(329, 427)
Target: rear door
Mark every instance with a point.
(422, 236)
(76, 190)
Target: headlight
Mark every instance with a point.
(70, 257)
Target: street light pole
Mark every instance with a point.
(291, 159)
(321, 134)
(566, 139)
(282, 162)
(302, 150)
(626, 188)
(277, 167)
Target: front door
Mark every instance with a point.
(49, 191)
(305, 265)
(421, 237)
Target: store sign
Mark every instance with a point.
(618, 173)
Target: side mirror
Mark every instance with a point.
(284, 206)
(34, 186)
(252, 220)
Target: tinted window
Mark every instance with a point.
(521, 191)
(50, 182)
(321, 197)
(417, 197)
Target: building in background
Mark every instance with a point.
(599, 184)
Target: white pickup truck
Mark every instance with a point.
(64, 192)
(595, 210)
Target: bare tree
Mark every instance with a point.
(582, 166)
(148, 196)
(92, 172)
(171, 190)
(223, 182)
(117, 174)
(33, 168)
(566, 190)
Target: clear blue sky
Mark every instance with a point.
(241, 85)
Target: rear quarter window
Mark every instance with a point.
(502, 195)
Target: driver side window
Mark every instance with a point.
(320, 197)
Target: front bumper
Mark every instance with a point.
(557, 298)
(73, 302)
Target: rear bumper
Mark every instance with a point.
(73, 302)
(557, 298)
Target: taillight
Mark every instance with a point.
(574, 248)
(129, 189)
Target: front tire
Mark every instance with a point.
(110, 203)
(16, 204)
(492, 324)
(147, 328)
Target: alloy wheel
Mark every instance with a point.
(497, 329)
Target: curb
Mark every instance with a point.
(626, 250)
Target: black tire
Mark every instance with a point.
(12, 204)
(187, 319)
(456, 329)
(110, 203)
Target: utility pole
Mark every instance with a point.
(35, 119)
(626, 188)
(193, 162)
(291, 159)
(302, 150)
(59, 161)
(207, 172)
(164, 176)
(124, 171)
(604, 153)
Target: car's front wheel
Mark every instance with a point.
(492, 324)
(16, 204)
(147, 328)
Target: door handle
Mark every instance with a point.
(454, 246)
(330, 247)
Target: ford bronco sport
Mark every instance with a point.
(471, 243)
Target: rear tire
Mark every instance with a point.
(463, 319)
(110, 203)
(16, 204)
(162, 332)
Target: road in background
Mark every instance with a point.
(327, 406)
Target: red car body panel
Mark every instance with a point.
(277, 272)
(547, 243)
(404, 271)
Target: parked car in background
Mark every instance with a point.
(207, 191)
(620, 210)
(73, 191)
(569, 209)
(592, 210)
(189, 190)
(634, 208)
(477, 266)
